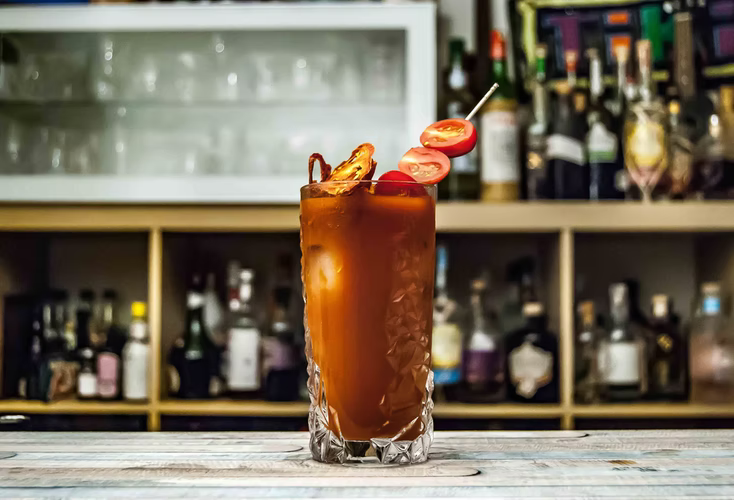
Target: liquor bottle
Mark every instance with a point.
(617, 105)
(571, 58)
(696, 107)
(86, 385)
(585, 354)
(566, 154)
(30, 383)
(499, 132)
(84, 318)
(726, 118)
(59, 353)
(710, 165)
(111, 342)
(622, 357)
(194, 358)
(520, 278)
(711, 350)
(136, 356)
(602, 142)
(667, 361)
(681, 153)
(446, 347)
(463, 181)
(243, 375)
(213, 312)
(539, 177)
(484, 363)
(532, 359)
(280, 363)
(646, 129)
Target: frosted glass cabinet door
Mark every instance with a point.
(210, 104)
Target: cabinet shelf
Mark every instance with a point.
(653, 410)
(74, 407)
(471, 217)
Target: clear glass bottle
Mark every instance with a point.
(243, 374)
(532, 359)
(136, 356)
(646, 129)
(622, 358)
(86, 387)
(484, 363)
(711, 350)
(710, 164)
(446, 345)
(462, 182)
(667, 353)
(539, 177)
(681, 152)
(585, 354)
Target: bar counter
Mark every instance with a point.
(555, 464)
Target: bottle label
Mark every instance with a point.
(87, 385)
(483, 367)
(681, 164)
(277, 355)
(602, 144)
(107, 372)
(446, 354)
(468, 163)
(135, 374)
(562, 147)
(530, 369)
(619, 362)
(242, 361)
(500, 154)
(711, 305)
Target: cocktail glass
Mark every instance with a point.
(368, 264)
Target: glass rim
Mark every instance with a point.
(364, 181)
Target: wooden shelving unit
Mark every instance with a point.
(566, 224)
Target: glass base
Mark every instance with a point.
(330, 447)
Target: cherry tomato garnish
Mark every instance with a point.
(453, 137)
(425, 165)
(398, 183)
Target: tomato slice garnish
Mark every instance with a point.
(425, 165)
(395, 183)
(453, 137)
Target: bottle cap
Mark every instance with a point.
(674, 107)
(621, 50)
(138, 309)
(563, 88)
(532, 309)
(497, 48)
(195, 300)
(660, 305)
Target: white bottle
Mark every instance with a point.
(136, 357)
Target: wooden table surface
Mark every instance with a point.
(563, 464)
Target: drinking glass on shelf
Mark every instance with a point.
(143, 80)
(190, 72)
(12, 141)
(105, 68)
(383, 71)
(53, 76)
(83, 156)
(229, 70)
(269, 76)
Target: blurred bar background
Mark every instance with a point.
(150, 161)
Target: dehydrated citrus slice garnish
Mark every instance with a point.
(359, 167)
(325, 167)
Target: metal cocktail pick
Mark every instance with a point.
(481, 102)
